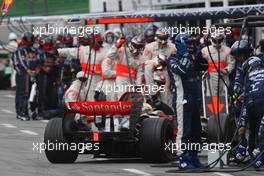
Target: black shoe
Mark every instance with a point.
(34, 116)
(39, 118)
(24, 118)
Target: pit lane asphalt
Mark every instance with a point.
(19, 158)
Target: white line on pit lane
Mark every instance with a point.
(44, 121)
(29, 132)
(8, 125)
(221, 174)
(139, 172)
(101, 159)
(10, 96)
(7, 111)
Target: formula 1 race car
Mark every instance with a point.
(5, 69)
(127, 128)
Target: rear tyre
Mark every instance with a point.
(225, 127)
(155, 133)
(53, 136)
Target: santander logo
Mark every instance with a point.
(100, 108)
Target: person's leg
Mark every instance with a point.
(259, 156)
(40, 94)
(186, 158)
(196, 134)
(261, 135)
(252, 134)
(196, 123)
(179, 115)
(187, 121)
(23, 96)
(212, 84)
(19, 92)
(51, 102)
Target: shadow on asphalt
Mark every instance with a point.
(112, 161)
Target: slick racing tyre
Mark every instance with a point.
(69, 125)
(155, 132)
(59, 152)
(227, 126)
(137, 100)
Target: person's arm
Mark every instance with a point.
(149, 76)
(140, 74)
(243, 121)
(173, 48)
(40, 60)
(21, 56)
(107, 68)
(15, 62)
(147, 54)
(69, 52)
(148, 72)
(239, 79)
(201, 63)
(113, 53)
(117, 48)
(230, 61)
(178, 65)
(205, 53)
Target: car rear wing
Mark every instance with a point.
(100, 108)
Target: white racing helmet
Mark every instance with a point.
(162, 36)
(109, 37)
(136, 45)
(12, 36)
(117, 33)
(217, 40)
